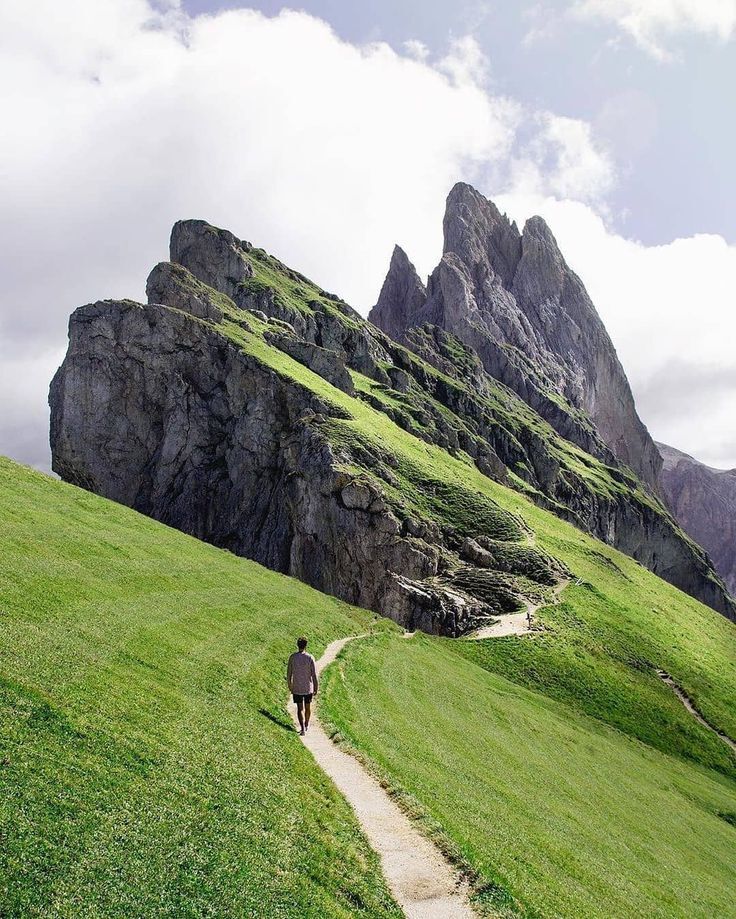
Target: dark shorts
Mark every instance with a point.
(306, 697)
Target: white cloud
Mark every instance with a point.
(562, 159)
(416, 49)
(651, 23)
(272, 126)
(671, 313)
(465, 62)
(123, 119)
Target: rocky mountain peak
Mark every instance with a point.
(512, 298)
(213, 256)
(536, 227)
(477, 232)
(402, 294)
(540, 276)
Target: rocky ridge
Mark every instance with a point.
(703, 500)
(192, 409)
(512, 298)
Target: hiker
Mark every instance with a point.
(528, 618)
(301, 675)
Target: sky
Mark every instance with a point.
(330, 132)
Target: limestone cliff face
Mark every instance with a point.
(159, 412)
(511, 297)
(704, 502)
(185, 408)
(158, 407)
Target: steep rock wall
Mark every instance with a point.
(703, 500)
(157, 410)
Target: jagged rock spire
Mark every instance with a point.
(476, 231)
(401, 296)
(511, 296)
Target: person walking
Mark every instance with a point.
(301, 675)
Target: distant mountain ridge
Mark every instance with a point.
(704, 502)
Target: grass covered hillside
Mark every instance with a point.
(603, 645)
(146, 768)
(555, 813)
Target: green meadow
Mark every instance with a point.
(553, 813)
(147, 764)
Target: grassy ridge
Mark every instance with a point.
(145, 768)
(607, 638)
(558, 814)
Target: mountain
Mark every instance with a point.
(147, 765)
(146, 762)
(704, 502)
(247, 406)
(511, 297)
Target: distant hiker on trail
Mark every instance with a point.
(301, 675)
(528, 618)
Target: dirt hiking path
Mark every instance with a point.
(516, 623)
(690, 706)
(421, 880)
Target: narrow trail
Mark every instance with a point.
(516, 623)
(420, 878)
(690, 706)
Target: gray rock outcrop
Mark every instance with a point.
(703, 500)
(172, 284)
(511, 297)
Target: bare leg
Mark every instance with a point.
(300, 715)
(307, 713)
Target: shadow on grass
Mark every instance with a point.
(281, 722)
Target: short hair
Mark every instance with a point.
(301, 643)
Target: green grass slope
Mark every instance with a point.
(146, 764)
(557, 814)
(632, 802)
(602, 645)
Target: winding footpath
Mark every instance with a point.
(690, 706)
(422, 881)
(516, 623)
